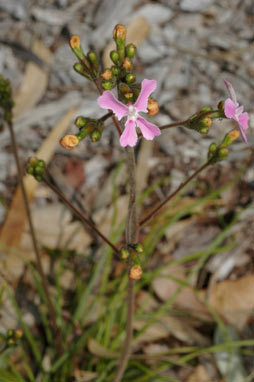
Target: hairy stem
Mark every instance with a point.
(80, 215)
(171, 196)
(44, 280)
(131, 233)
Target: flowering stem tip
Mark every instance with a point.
(129, 136)
(234, 111)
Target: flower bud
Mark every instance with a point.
(124, 254)
(18, 334)
(41, 163)
(114, 56)
(127, 64)
(33, 161)
(119, 32)
(107, 74)
(115, 70)
(95, 135)
(135, 272)
(128, 96)
(107, 85)
(130, 78)
(74, 41)
(69, 141)
(220, 105)
(11, 342)
(79, 68)
(223, 153)
(80, 121)
(38, 178)
(92, 57)
(204, 130)
(230, 137)
(38, 170)
(139, 248)
(130, 50)
(119, 35)
(205, 122)
(30, 170)
(152, 106)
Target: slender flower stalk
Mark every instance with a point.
(171, 196)
(131, 233)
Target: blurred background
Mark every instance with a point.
(189, 47)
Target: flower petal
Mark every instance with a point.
(129, 136)
(231, 91)
(230, 108)
(148, 130)
(243, 120)
(108, 101)
(147, 87)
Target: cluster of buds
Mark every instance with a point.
(202, 121)
(218, 153)
(6, 101)
(86, 126)
(122, 59)
(12, 336)
(36, 167)
(88, 64)
(134, 251)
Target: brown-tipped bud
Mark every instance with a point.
(135, 272)
(74, 42)
(220, 105)
(107, 74)
(130, 78)
(128, 96)
(152, 106)
(230, 137)
(18, 334)
(124, 254)
(69, 141)
(11, 342)
(130, 50)
(205, 122)
(119, 32)
(127, 64)
(33, 161)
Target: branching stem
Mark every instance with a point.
(52, 313)
(80, 215)
(171, 196)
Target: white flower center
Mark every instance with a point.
(132, 113)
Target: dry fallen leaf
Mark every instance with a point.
(199, 375)
(15, 221)
(35, 82)
(165, 288)
(234, 300)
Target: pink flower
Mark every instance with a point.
(233, 110)
(129, 136)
